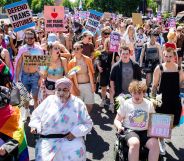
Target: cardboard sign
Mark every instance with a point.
(172, 23)
(37, 60)
(20, 15)
(114, 41)
(54, 18)
(160, 125)
(137, 18)
(93, 21)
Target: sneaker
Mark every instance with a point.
(162, 147)
(102, 104)
(111, 107)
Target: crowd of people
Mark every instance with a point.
(148, 62)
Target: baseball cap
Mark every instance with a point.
(52, 38)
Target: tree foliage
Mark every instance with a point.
(38, 6)
(152, 4)
(126, 7)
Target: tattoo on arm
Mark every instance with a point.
(153, 91)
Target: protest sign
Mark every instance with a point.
(172, 22)
(137, 18)
(160, 125)
(93, 21)
(83, 14)
(159, 16)
(67, 11)
(20, 15)
(114, 41)
(54, 18)
(37, 60)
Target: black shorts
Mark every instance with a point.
(104, 78)
(140, 135)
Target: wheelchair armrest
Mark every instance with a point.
(120, 136)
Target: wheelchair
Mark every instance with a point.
(121, 150)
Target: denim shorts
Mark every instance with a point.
(30, 81)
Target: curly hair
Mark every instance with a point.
(137, 86)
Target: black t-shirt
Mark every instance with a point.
(105, 60)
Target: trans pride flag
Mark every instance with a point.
(11, 125)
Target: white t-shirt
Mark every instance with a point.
(136, 116)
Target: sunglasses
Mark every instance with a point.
(123, 53)
(30, 38)
(168, 56)
(56, 48)
(77, 49)
(106, 33)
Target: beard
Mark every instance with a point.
(63, 96)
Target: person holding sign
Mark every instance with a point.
(132, 118)
(56, 70)
(29, 74)
(104, 63)
(168, 77)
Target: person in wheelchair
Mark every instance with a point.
(132, 119)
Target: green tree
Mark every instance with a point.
(126, 7)
(38, 6)
(152, 4)
(67, 3)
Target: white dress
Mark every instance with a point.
(54, 117)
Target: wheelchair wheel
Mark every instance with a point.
(118, 156)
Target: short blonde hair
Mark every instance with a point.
(137, 86)
(171, 35)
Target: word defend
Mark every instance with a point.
(93, 21)
(160, 125)
(54, 18)
(20, 15)
(37, 60)
(114, 41)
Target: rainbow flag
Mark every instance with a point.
(12, 126)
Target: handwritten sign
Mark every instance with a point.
(137, 18)
(114, 41)
(93, 21)
(20, 15)
(54, 18)
(37, 60)
(160, 125)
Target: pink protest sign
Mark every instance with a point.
(54, 18)
(114, 41)
(160, 125)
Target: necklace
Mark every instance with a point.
(80, 62)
